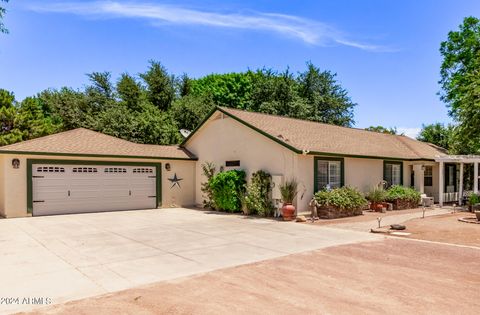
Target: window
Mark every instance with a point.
(232, 163)
(84, 170)
(115, 170)
(427, 176)
(50, 169)
(329, 174)
(143, 170)
(392, 173)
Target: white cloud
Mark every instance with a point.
(309, 31)
(409, 132)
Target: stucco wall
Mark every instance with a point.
(364, 174)
(13, 196)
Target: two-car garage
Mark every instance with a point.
(81, 171)
(65, 188)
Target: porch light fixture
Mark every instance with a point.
(16, 163)
(168, 167)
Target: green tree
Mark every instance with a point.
(438, 134)
(72, 107)
(460, 81)
(7, 98)
(130, 92)
(381, 129)
(3, 29)
(328, 101)
(161, 85)
(229, 89)
(190, 110)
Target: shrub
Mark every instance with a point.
(289, 190)
(341, 198)
(377, 194)
(208, 170)
(397, 192)
(227, 189)
(473, 199)
(257, 198)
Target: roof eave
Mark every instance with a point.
(99, 155)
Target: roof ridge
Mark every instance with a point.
(310, 121)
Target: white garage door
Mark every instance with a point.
(59, 189)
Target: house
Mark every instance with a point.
(316, 154)
(85, 171)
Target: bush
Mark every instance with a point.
(208, 170)
(377, 194)
(341, 198)
(227, 189)
(473, 199)
(397, 192)
(257, 198)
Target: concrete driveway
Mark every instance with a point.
(60, 258)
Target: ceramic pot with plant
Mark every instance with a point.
(473, 200)
(289, 191)
(377, 199)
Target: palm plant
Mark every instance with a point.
(289, 190)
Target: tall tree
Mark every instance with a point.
(460, 81)
(3, 29)
(129, 91)
(329, 101)
(438, 134)
(161, 85)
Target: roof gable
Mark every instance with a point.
(90, 143)
(316, 138)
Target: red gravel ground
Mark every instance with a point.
(445, 228)
(392, 276)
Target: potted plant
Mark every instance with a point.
(473, 204)
(289, 191)
(377, 199)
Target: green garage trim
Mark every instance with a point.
(31, 162)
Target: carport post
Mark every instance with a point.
(475, 177)
(460, 186)
(441, 188)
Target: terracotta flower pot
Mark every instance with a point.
(288, 212)
(477, 213)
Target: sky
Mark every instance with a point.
(385, 53)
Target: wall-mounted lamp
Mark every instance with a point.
(168, 167)
(16, 163)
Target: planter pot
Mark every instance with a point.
(401, 204)
(288, 212)
(330, 212)
(477, 213)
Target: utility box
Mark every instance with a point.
(277, 180)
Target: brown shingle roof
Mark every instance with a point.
(87, 142)
(331, 139)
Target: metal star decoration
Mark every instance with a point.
(175, 181)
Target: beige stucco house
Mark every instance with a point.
(316, 154)
(85, 171)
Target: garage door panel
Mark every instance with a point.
(73, 189)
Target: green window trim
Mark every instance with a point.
(385, 162)
(31, 162)
(315, 170)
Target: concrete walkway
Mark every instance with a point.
(60, 258)
(365, 226)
